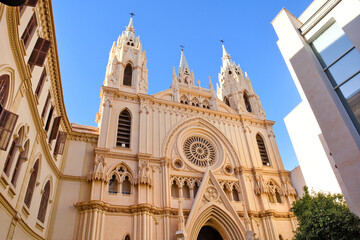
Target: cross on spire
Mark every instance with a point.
(222, 41)
(182, 47)
(132, 14)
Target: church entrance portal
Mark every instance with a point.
(209, 233)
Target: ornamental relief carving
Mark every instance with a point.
(259, 184)
(143, 173)
(211, 194)
(98, 172)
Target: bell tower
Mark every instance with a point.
(127, 69)
(236, 89)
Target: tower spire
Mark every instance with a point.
(225, 54)
(183, 62)
(130, 26)
(184, 75)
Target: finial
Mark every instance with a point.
(182, 47)
(222, 41)
(130, 27)
(210, 83)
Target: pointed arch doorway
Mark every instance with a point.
(209, 233)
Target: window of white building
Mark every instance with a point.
(341, 63)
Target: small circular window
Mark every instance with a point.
(199, 151)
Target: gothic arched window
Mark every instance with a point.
(227, 192)
(31, 185)
(277, 195)
(226, 101)
(113, 184)
(128, 75)
(262, 150)
(44, 202)
(205, 104)
(247, 102)
(4, 90)
(127, 237)
(174, 190)
(184, 99)
(196, 188)
(126, 186)
(186, 190)
(195, 102)
(124, 129)
(22, 157)
(271, 198)
(235, 195)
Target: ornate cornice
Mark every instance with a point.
(96, 205)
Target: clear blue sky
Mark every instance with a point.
(86, 30)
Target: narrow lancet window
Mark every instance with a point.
(235, 195)
(174, 190)
(247, 102)
(226, 101)
(126, 186)
(124, 129)
(128, 75)
(113, 185)
(262, 150)
(186, 190)
(196, 188)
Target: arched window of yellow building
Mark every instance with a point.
(44, 202)
(22, 157)
(31, 185)
(14, 149)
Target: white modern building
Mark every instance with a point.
(321, 50)
(306, 137)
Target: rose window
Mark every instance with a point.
(199, 151)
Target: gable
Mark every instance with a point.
(211, 204)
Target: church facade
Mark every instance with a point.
(185, 163)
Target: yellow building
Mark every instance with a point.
(185, 163)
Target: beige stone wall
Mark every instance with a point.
(80, 205)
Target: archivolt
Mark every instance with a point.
(218, 218)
